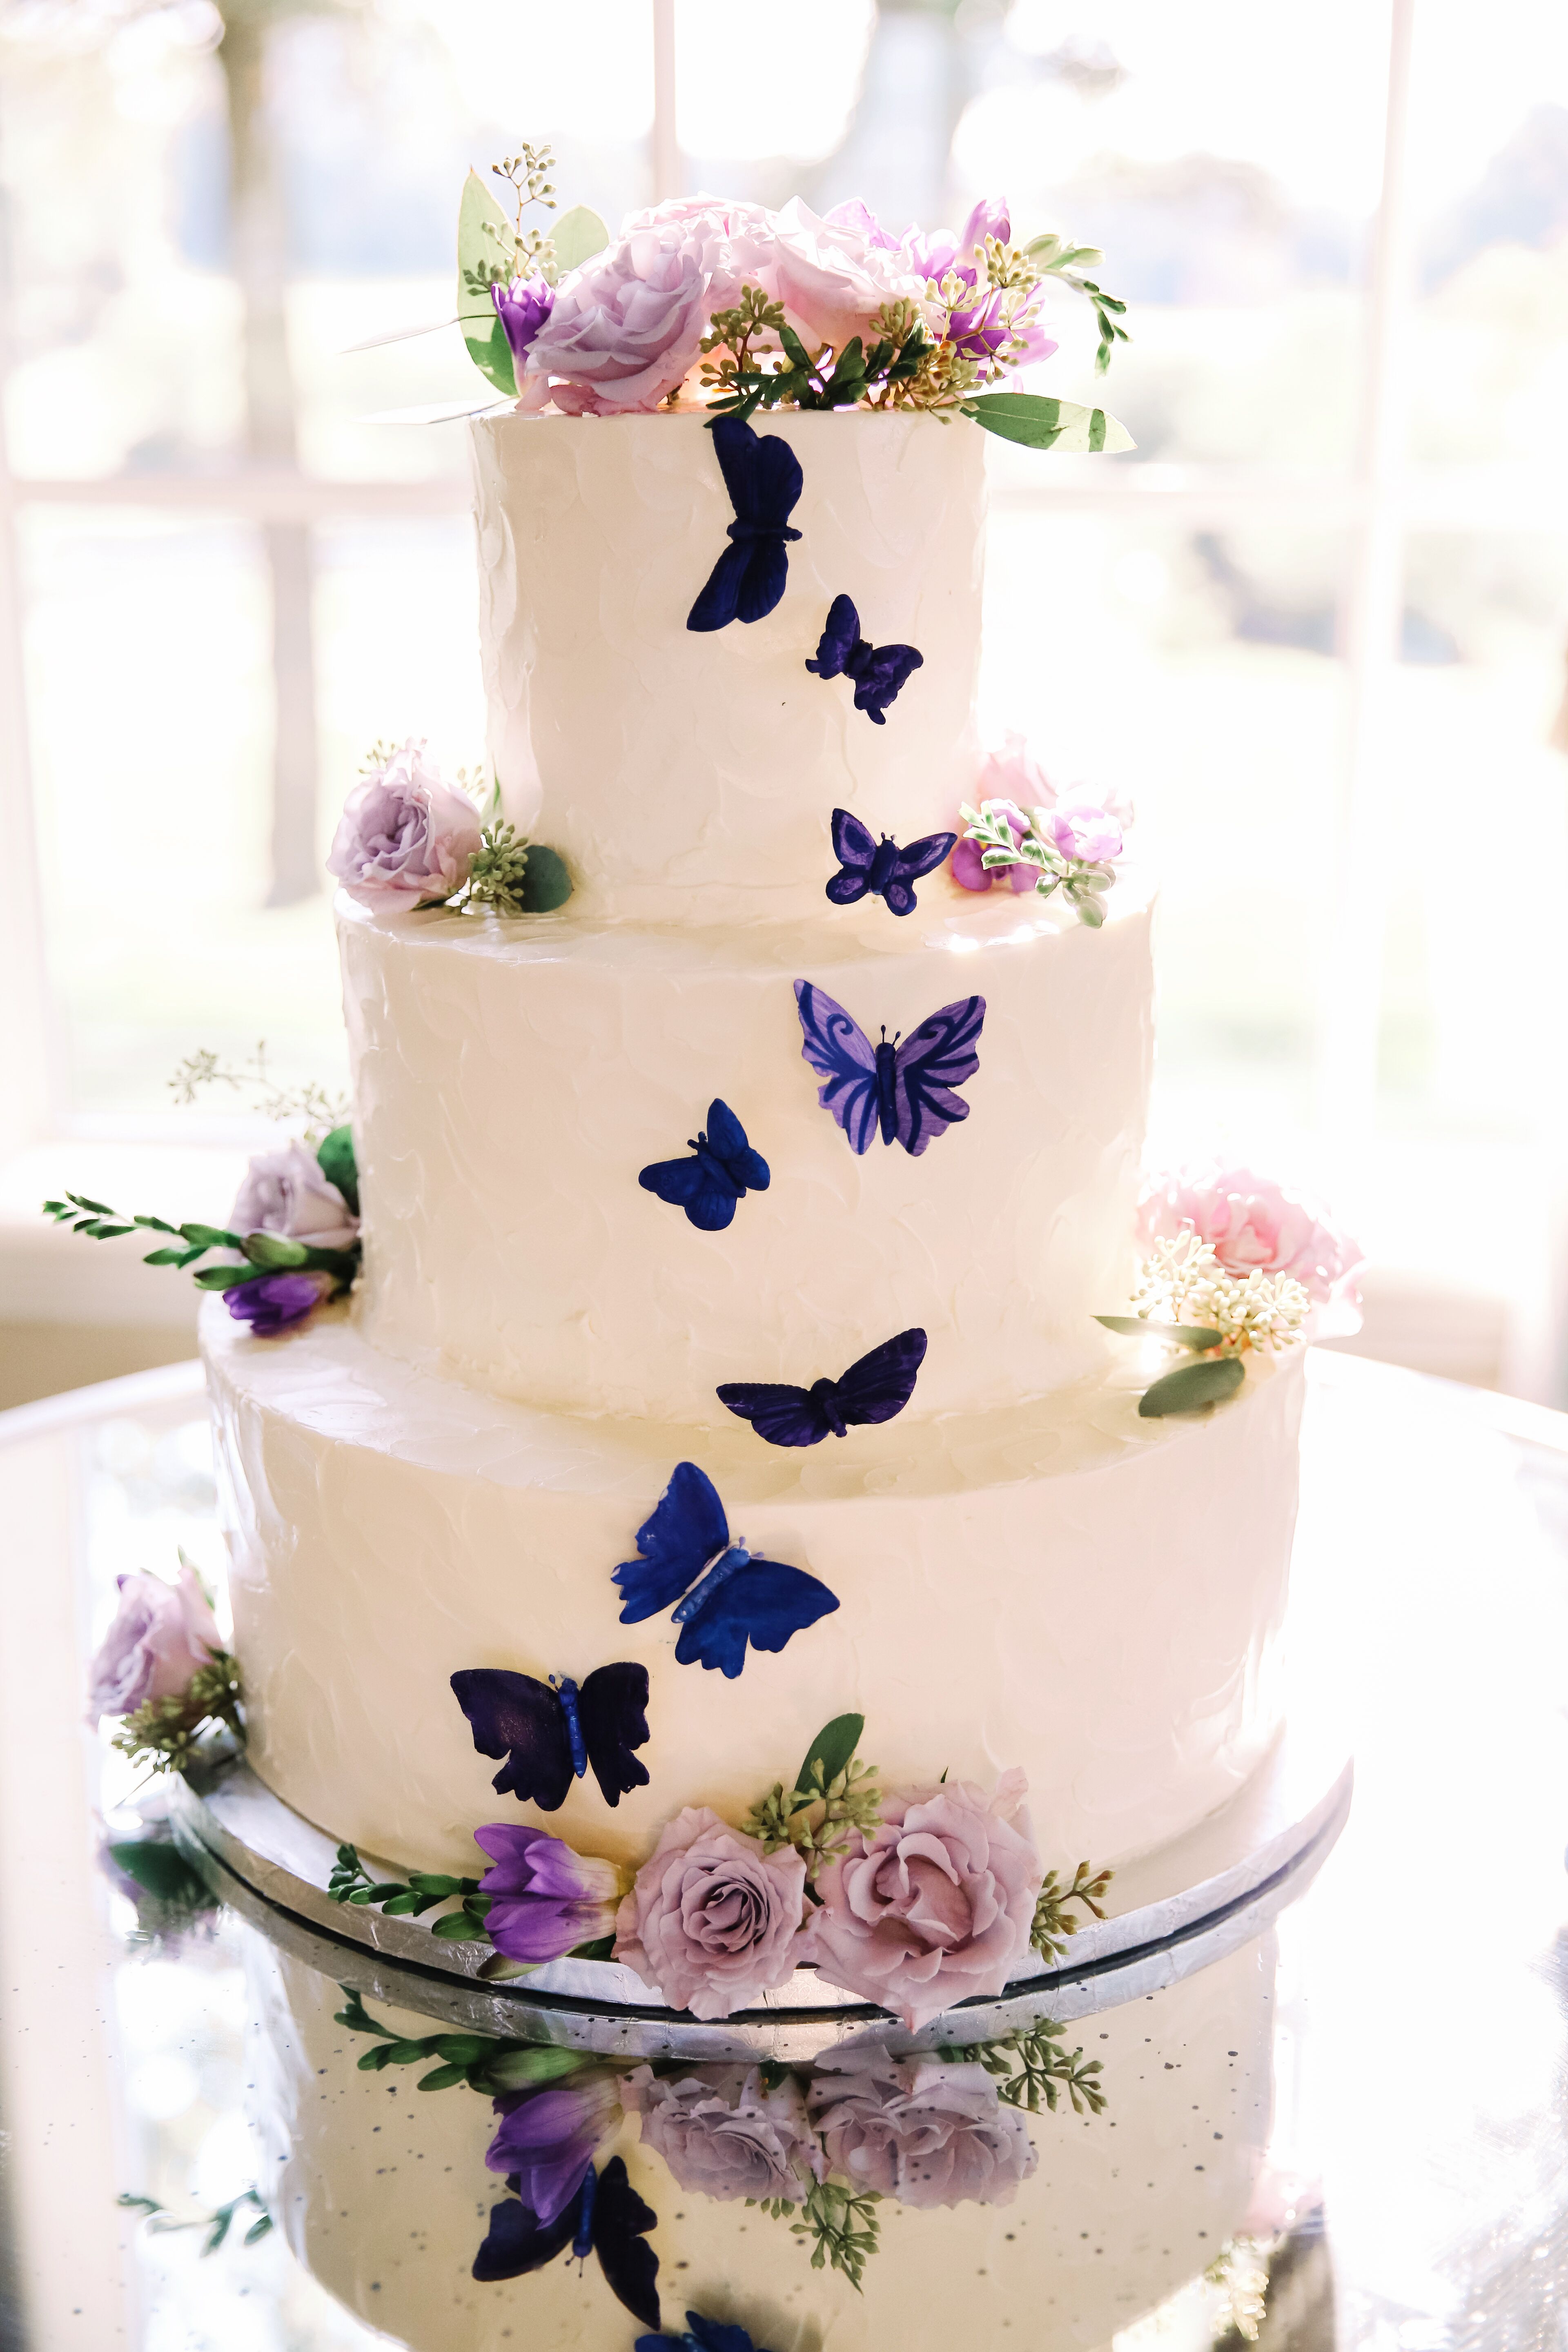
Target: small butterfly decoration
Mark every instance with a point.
(875, 1389)
(550, 1733)
(731, 1596)
(606, 2217)
(723, 1171)
(763, 478)
(877, 671)
(880, 870)
(700, 2336)
(905, 1090)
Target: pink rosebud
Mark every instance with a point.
(160, 1635)
(1254, 1224)
(403, 834)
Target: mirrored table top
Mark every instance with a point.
(1402, 2098)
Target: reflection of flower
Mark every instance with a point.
(1254, 1225)
(936, 1905)
(723, 2135)
(547, 2139)
(545, 1898)
(276, 1301)
(403, 834)
(160, 1635)
(285, 1191)
(522, 308)
(924, 2131)
(712, 1920)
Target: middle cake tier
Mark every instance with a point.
(511, 1081)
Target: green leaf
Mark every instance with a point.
(1039, 424)
(1192, 1386)
(546, 883)
(223, 1277)
(259, 2228)
(273, 1252)
(479, 253)
(435, 1884)
(398, 1907)
(102, 1233)
(168, 1257)
(335, 1158)
(457, 1928)
(834, 1744)
(601, 1947)
(443, 2079)
(1179, 1335)
(158, 1869)
(463, 2049)
(98, 1208)
(153, 1225)
(516, 2070)
(405, 2054)
(575, 235)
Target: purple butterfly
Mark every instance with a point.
(606, 2217)
(725, 1169)
(731, 1596)
(879, 671)
(906, 1089)
(881, 869)
(551, 1732)
(763, 479)
(875, 1388)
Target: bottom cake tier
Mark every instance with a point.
(1064, 1588)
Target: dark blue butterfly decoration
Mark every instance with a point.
(606, 2217)
(907, 1090)
(724, 1171)
(880, 868)
(763, 478)
(731, 1596)
(877, 671)
(550, 1733)
(702, 2335)
(875, 1388)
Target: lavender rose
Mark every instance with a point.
(833, 275)
(547, 2139)
(160, 1635)
(723, 2135)
(923, 2132)
(545, 1899)
(274, 1302)
(936, 1906)
(712, 1920)
(403, 834)
(287, 1192)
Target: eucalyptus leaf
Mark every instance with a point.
(546, 883)
(1040, 424)
(1177, 1335)
(1207, 1380)
(480, 255)
(835, 1745)
(578, 235)
(335, 1158)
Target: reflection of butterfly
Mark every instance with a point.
(879, 671)
(702, 2335)
(551, 1732)
(908, 1088)
(875, 1389)
(724, 1171)
(880, 868)
(606, 2217)
(732, 1596)
(763, 479)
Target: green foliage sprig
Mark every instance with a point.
(509, 250)
(1083, 882)
(802, 379)
(410, 1897)
(259, 1253)
(840, 2224)
(1054, 257)
(1053, 1926)
(487, 2063)
(217, 2223)
(835, 1795)
(509, 875)
(164, 1735)
(1185, 1299)
(310, 1107)
(1030, 2068)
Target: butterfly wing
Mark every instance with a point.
(612, 1707)
(720, 600)
(837, 640)
(705, 1194)
(763, 478)
(764, 1603)
(621, 2223)
(687, 1529)
(939, 1057)
(888, 668)
(882, 1382)
(909, 866)
(854, 847)
(785, 1416)
(839, 1051)
(518, 2243)
(522, 1719)
(727, 1139)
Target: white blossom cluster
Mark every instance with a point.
(1184, 1282)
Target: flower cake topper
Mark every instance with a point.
(875, 1389)
(731, 1596)
(877, 672)
(880, 870)
(763, 478)
(905, 1091)
(550, 1733)
(723, 1171)
(408, 839)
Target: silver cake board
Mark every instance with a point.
(1176, 1911)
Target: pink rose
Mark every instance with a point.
(924, 2131)
(1254, 1223)
(1012, 773)
(937, 1907)
(286, 1192)
(723, 2135)
(1082, 832)
(160, 1635)
(832, 277)
(403, 834)
(712, 1921)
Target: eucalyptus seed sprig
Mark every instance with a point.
(1052, 1924)
(217, 2223)
(1029, 2067)
(164, 1733)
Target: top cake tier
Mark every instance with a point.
(691, 775)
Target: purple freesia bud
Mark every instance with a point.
(547, 2139)
(274, 1301)
(990, 217)
(545, 1899)
(522, 308)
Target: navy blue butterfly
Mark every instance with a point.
(763, 478)
(880, 868)
(702, 2335)
(606, 2217)
(731, 1596)
(877, 671)
(724, 1171)
(906, 1090)
(875, 1388)
(550, 1733)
